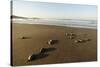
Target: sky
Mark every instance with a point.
(53, 10)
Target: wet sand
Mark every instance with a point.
(66, 50)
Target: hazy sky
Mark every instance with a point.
(53, 10)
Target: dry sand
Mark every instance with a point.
(66, 50)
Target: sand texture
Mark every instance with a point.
(28, 39)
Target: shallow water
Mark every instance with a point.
(60, 22)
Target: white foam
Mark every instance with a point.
(60, 22)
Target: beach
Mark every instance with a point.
(66, 49)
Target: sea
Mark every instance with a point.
(80, 23)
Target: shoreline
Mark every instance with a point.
(67, 23)
(57, 25)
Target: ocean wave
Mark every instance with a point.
(59, 22)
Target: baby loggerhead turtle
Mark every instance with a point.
(36, 56)
(82, 41)
(41, 54)
(79, 41)
(51, 42)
